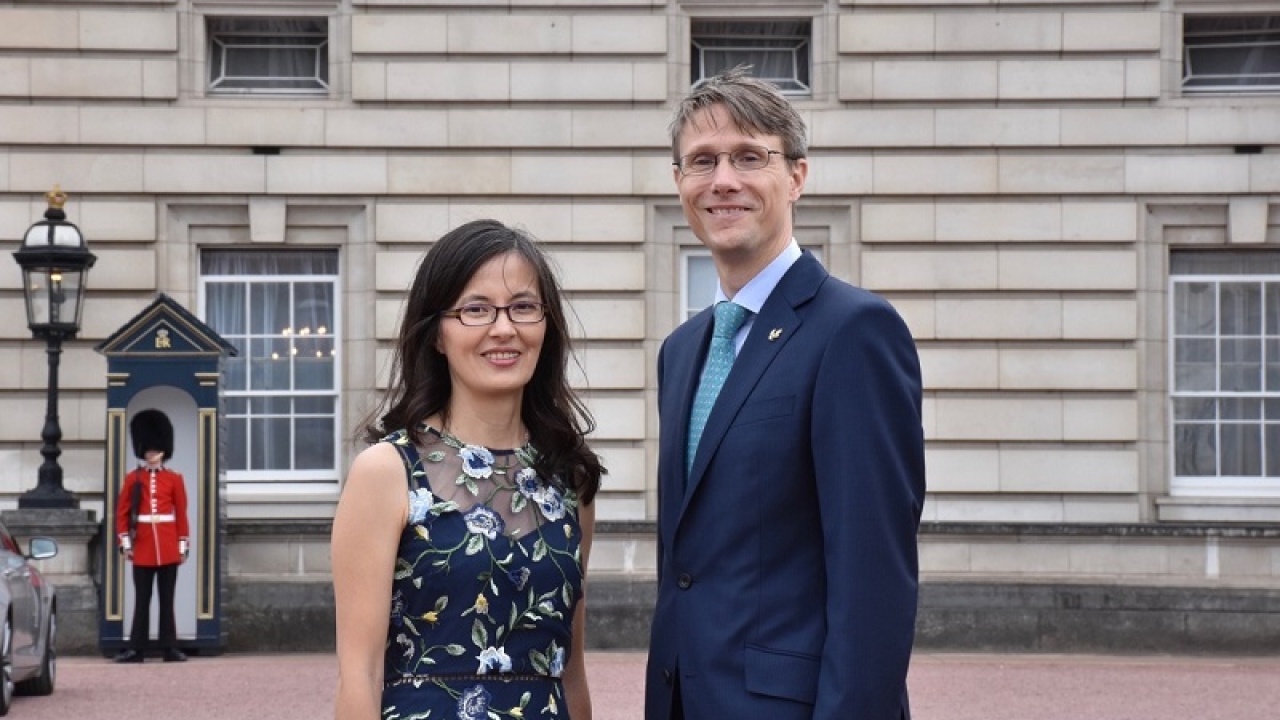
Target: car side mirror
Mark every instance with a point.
(43, 548)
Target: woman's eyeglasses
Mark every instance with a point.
(522, 313)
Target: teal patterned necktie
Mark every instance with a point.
(729, 317)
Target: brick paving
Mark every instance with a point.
(943, 687)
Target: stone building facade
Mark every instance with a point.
(1075, 206)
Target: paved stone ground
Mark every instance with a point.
(943, 687)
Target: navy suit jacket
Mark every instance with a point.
(787, 560)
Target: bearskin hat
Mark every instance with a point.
(151, 430)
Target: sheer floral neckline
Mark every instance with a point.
(453, 441)
(497, 492)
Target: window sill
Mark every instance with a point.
(1218, 510)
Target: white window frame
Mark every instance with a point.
(800, 82)
(1219, 485)
(220, 45)
(331, 474)
(1263, 40)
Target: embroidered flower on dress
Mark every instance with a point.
(548, 498)
(552, 504)
(474, 704)
(477, 461)
(397, 608)
(519, 577)
(527, 483)
(419, 505)
(483, 521)
(557, 662)
(407, 644)
(493, 658)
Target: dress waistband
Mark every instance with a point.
(446, 677)
(157, 518)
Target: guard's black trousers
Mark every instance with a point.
(166, 578)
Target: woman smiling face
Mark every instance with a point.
(499, 358)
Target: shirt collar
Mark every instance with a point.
(753, 295)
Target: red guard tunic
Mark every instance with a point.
(161, 537)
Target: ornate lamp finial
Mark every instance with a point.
(56, 198)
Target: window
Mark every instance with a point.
(1231, 53)
(698, 281)
(268, 56)
(1225, 373)
(776, 50)
(280, 394)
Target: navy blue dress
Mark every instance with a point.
(487, 577)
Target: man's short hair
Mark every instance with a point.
(756, 107)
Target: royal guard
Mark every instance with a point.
(151, 531)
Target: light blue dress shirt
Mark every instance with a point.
(753, 295)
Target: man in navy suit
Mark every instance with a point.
(787, 559)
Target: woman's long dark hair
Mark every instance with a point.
(556, 419)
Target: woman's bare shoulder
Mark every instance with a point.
(378, 467)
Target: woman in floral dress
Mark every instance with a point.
(461, 539)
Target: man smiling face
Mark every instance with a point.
(742, 216)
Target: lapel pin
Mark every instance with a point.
(774, 334)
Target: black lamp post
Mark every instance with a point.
(55, 263)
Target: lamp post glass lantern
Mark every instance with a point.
(55, 263)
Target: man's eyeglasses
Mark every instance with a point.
(744, 158)
(522, 313)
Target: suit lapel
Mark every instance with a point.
(683, 369)
(772, 329)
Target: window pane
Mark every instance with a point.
(1273, 365)
(1272, 309)
(1195, 366)
(1195, 450)
(274, 405)
(268, 262)
(235, 373)
(1272, 431)
(271, 445)
(269, 364)
(1240, 409)
(313, 364)
(703, 282)
(311, 405)
(1195, 311)
(1241, 309)
(313, 308)
(237, 444)
(1195, 409)
(269, 309)
(1241, 365)
(1242, 449)
(226, 308)
(313, 443)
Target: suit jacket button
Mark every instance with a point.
(666, 676)
(684, 581)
